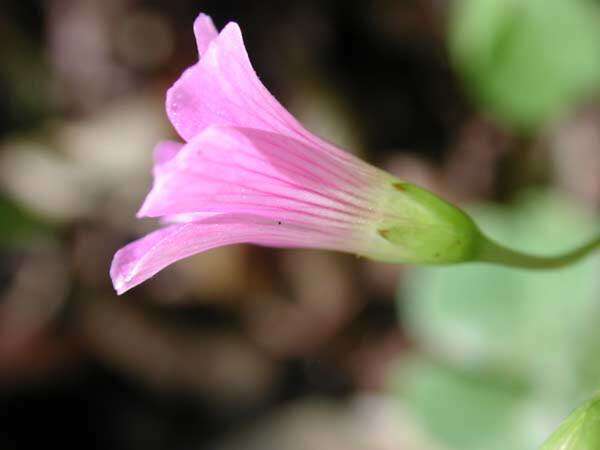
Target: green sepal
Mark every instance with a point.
(436, 232)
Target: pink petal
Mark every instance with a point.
(186, 217)
(143, 258)
(163, 153)
(223, 89)
(205, 32)
(242, 170)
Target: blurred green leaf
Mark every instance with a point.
(463, 410)
(526, 61)
(17, 226)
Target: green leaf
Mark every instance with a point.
(526, 61)
(463, 410)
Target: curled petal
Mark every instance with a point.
(223, 89)
(143, 258)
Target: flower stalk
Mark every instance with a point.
(491, 252)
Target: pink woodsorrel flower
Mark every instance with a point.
(250, 173)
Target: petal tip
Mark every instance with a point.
(232, 30)
(146, 208)
(143, 211)
(118, 278)
(205, 32)
(120, 287)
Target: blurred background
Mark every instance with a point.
(491, 103)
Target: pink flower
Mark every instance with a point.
(249, 172)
